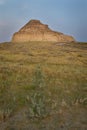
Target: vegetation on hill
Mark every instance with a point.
(43, 86)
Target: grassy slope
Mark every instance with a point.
(65, 70)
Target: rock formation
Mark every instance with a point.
(34, 30)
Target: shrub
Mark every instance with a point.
(37, 100)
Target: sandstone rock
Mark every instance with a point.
(34, 30)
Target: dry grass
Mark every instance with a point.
(64, 66)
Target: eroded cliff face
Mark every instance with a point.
(34, 30)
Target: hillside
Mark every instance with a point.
(34, 30)
(43, 86)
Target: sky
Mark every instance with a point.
(66, 16)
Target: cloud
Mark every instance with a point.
(2, 2)
(7, 28)
(6, 32)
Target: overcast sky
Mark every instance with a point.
(67, 16)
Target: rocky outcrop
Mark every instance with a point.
(34, 30)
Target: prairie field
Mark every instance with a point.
(43, 86)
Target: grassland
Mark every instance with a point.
(43, 86)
